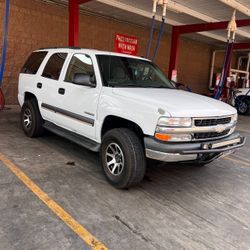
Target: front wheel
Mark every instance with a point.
(122, 157)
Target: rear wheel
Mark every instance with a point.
(122, 157)
(31, 119)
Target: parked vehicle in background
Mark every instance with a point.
(123, 107)
(240, 99)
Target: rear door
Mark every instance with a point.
(48, 86)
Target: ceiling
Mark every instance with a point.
(179, 13)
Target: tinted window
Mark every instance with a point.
(54, 66)
(121, 72)
(33, 63)
(79, 63)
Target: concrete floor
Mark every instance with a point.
(175, 207)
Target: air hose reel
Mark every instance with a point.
(232, 29)
(163, 4)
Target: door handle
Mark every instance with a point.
(39, 85)
(61, 91)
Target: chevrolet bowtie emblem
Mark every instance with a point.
(220, 128)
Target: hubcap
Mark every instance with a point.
(243, 107)
(114, 159)
(27, 118)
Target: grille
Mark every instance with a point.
(210, 135)
(211, 122)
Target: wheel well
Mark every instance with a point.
(29, 96)
(112, 122)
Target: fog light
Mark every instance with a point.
(205, 146)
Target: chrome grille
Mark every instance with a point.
(211, 122)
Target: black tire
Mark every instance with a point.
(243, 107)
(34, 128)
(132, 154)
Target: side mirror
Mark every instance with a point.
(84, 80)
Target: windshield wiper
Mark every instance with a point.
(161, 87)
(130, 85)
(127, 85)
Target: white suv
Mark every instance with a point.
(123, 107)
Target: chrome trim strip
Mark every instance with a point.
(218, 128)
(167, 157)
(69, 114)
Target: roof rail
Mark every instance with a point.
(60, 48)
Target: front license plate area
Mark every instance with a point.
(225, 143)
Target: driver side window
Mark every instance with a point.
(79, 64)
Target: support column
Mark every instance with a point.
(73, 34)
(174, 51)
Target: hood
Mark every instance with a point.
(244, 91)
(177, 103)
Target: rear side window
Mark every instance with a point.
(54, 66)
(33, 63)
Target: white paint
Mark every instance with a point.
(139, 105)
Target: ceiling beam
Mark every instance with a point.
(241, 46)
(148, 14)
(193, 28)
(136, 11)
(237, 6)
(84, 1)
(179, 8)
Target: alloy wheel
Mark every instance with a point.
(114, 159)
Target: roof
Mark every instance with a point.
(88, 51)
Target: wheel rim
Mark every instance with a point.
(27, 118)
(243, 107)
(114, 159)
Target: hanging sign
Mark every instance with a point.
(126, 44)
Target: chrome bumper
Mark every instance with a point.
(193, 151)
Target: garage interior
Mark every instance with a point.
(176, 206)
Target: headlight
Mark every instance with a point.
(234, 118)
(175, 122)
(163, 122)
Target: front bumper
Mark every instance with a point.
(192, 151)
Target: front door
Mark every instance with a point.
(77, 103)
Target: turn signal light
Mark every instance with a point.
(173, 137)
(162, 137)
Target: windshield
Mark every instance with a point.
(124, 72)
